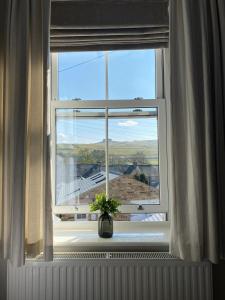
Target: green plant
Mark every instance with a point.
(105, 205)
(141, 177)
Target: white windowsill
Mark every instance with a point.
(71, 236)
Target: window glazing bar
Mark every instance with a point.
(106, 125)
(83, 115)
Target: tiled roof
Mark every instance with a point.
(72, 190)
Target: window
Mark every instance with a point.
(108, 123)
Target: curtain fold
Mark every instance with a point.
(197, 54)
(109, 25)
(25, 199)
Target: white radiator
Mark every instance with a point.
(111, 278)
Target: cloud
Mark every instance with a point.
(64, 98)
(63, 138)
(128, 123)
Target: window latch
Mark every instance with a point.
(140, 207)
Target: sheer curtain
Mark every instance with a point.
(25, 198)
(197, 53)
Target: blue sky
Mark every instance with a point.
(93, 131)
(82, 75)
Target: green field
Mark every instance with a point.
(143, 151)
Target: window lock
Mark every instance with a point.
(140, 207)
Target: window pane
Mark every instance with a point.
(145, 217)
(80, 155)
(133, 158)
(132, 74)
(81, 75)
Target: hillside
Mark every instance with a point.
(146, 150)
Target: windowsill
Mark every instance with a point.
(70, 237)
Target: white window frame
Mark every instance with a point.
(159, 103)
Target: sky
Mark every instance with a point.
(131, 74)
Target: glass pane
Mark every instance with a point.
(132, 74)
(81, 75)
(145, 217)
(80, 155)
(134, 158)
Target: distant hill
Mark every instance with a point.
(103, 141)
(148, 148)
(136, 142)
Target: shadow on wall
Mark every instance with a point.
(3, 279)
(218, 281)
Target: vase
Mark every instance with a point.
(105, 226)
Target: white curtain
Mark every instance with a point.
(197, 56)
(25, 197)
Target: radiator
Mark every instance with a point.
(111, 277)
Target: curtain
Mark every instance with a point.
(25, 196)
(197, 54)
(109, 25)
